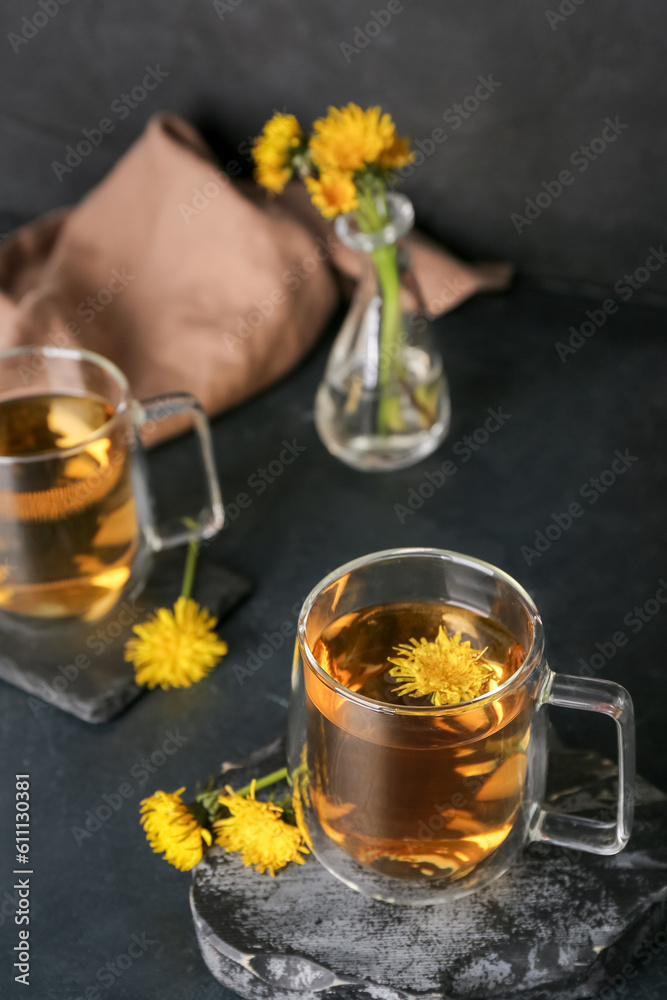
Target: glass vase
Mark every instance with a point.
(384, 401)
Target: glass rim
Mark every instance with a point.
(402, 220)
(73, 354)
(532, 657)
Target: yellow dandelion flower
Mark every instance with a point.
(352, 139)
(448, 670)
(333, 193)
(297, 806)
(273, 150)
(175, 649)
(397, 155)
(258, 832)
(171, 827)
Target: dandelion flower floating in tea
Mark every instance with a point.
(446, 670)
(172, 829)
(258, 831)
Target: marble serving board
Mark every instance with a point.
(558, 926)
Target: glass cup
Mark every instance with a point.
(423, 804)
(77, 533)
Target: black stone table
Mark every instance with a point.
(110, 916)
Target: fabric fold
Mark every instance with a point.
(189, 280)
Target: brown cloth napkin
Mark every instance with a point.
(188, 280)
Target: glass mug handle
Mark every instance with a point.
(580, 832)
(211, 518)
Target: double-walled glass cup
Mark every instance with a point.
(77, 533)
(423, 804)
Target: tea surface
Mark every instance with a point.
(356, 648)
(33, 424)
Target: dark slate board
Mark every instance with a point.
(101, 685)
(558, 926)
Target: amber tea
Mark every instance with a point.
(68, 526)
(418, 794)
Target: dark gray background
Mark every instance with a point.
(558, 84)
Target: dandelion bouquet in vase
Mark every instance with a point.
(383, 403)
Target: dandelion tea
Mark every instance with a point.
(425, 794)
(68, 527)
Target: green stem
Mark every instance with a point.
(190, 562)
(268, 779)
(387, 269)
(386, 265)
